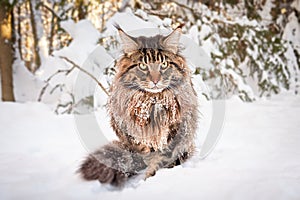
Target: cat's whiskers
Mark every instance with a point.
(170, 88)
(132, 85)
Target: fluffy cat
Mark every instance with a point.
(153, 111)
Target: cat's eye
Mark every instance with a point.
(163, 65)
(143, 66)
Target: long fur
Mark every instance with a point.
(155, 130)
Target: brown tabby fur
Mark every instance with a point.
(153, 110)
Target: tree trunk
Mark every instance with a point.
(36, 55)
(81, 10)
(6, 53)
(19, 35)
(52, 30)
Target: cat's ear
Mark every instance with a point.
(171, 41)
(128, 43)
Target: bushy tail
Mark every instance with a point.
(112, 164)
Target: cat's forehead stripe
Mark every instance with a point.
(151, 55)
(151, 51)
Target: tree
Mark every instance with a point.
(249, 55)
(36, 57)
(6, 50)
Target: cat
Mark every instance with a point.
(153, 111)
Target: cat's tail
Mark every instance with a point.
(112, 164)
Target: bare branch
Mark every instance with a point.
(50, 10)
(43, 91)
(86, 72)
(68, 106)
(66, 71)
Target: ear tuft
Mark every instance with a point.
(129, 43)
(171, 42)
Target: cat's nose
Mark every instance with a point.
(155, 81)
(154, 77)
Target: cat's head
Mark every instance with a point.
(151, 64)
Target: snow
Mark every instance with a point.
(258, 157)
(84, 41)
(123, 18)
(265, 12)
(85, 37)
(238, 81)
(26, 86)
(292, 35)
(296, 5)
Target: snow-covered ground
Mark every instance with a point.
(258, 157)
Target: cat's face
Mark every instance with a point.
(153, 71)
(151, 64)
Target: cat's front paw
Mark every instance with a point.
(149, 173)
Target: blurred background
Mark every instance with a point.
(253, 45)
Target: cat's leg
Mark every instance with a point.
(179, 149)
(167, 159)
(181, 159)
(112, 164)
(154, 161)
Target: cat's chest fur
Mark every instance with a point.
(154, 110)
(146, 117)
